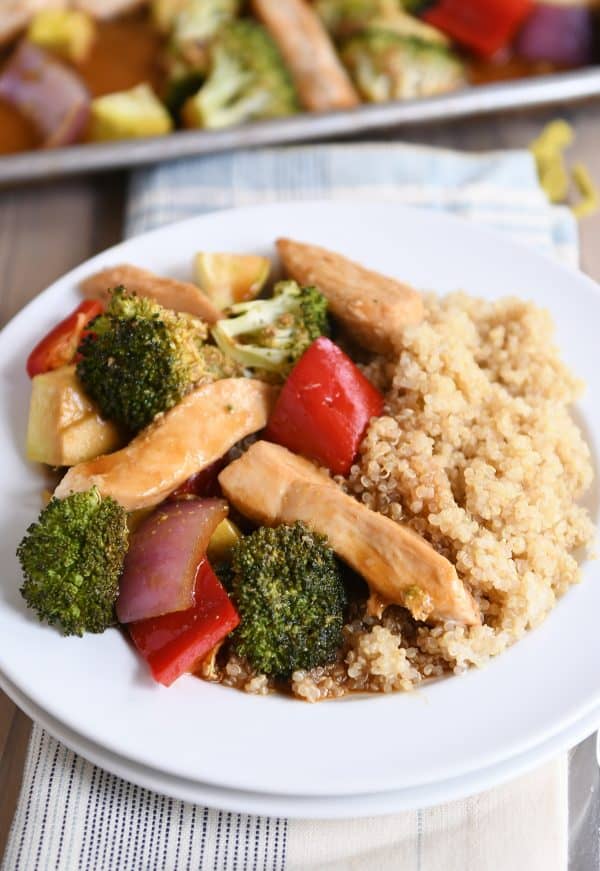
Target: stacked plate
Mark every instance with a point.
(363, 754)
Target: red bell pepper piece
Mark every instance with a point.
(324, 407)
(177, 643)
(60, 345)
(485, 26)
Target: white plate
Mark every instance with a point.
(306, 807)
(101, 690)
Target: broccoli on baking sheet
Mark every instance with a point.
(288, 587)
(386, 65)
(193, 19)
(192, 26)
(198, 21)
(271, 334)
(343, 18)
(139, 359)
(247, 80)
(72, 559)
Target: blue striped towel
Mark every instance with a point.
(72, 815)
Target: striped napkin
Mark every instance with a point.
(72, 815)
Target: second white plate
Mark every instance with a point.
(306, 807)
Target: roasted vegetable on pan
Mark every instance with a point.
(102, 70)
(386, 65)
(246, 80)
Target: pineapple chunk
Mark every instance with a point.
(230, 278)
(64, 426)
(129, 114)
(68, 33)
(221, 543)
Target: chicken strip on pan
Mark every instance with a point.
(320, 78)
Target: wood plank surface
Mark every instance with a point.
(46, 230)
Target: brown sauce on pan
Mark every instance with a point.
(125, 53)
(481, 72)
(16, 133)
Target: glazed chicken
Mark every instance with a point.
(374, 307)
(185, 440)
(181, 296)
(270, 485)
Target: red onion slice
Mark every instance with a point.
(163, 557)
(51, 95)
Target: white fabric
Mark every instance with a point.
(521, 826)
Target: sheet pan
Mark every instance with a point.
(558, 88)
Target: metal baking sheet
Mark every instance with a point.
(477, 100)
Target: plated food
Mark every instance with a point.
(343, 485)
(78, 70)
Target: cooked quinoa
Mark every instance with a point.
(477, 452)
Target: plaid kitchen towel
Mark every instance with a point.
(73, 815)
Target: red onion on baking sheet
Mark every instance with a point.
(563, 35)
(52, 96)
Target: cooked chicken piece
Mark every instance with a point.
(375, 308)
(107, 8)
(15, 15)
(185, 440)
(320, 78)
(182, 296)
(270, 485)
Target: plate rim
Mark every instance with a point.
(323, 807)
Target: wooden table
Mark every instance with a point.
(46, 230)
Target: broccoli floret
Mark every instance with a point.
(386, 65)
(247, 80)
(271, 334)
(288, 587)
(343, 18)
(199, 21)
(193, 18)
(140, 359)
(72, 558)
(193, 25)
(180, 87)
